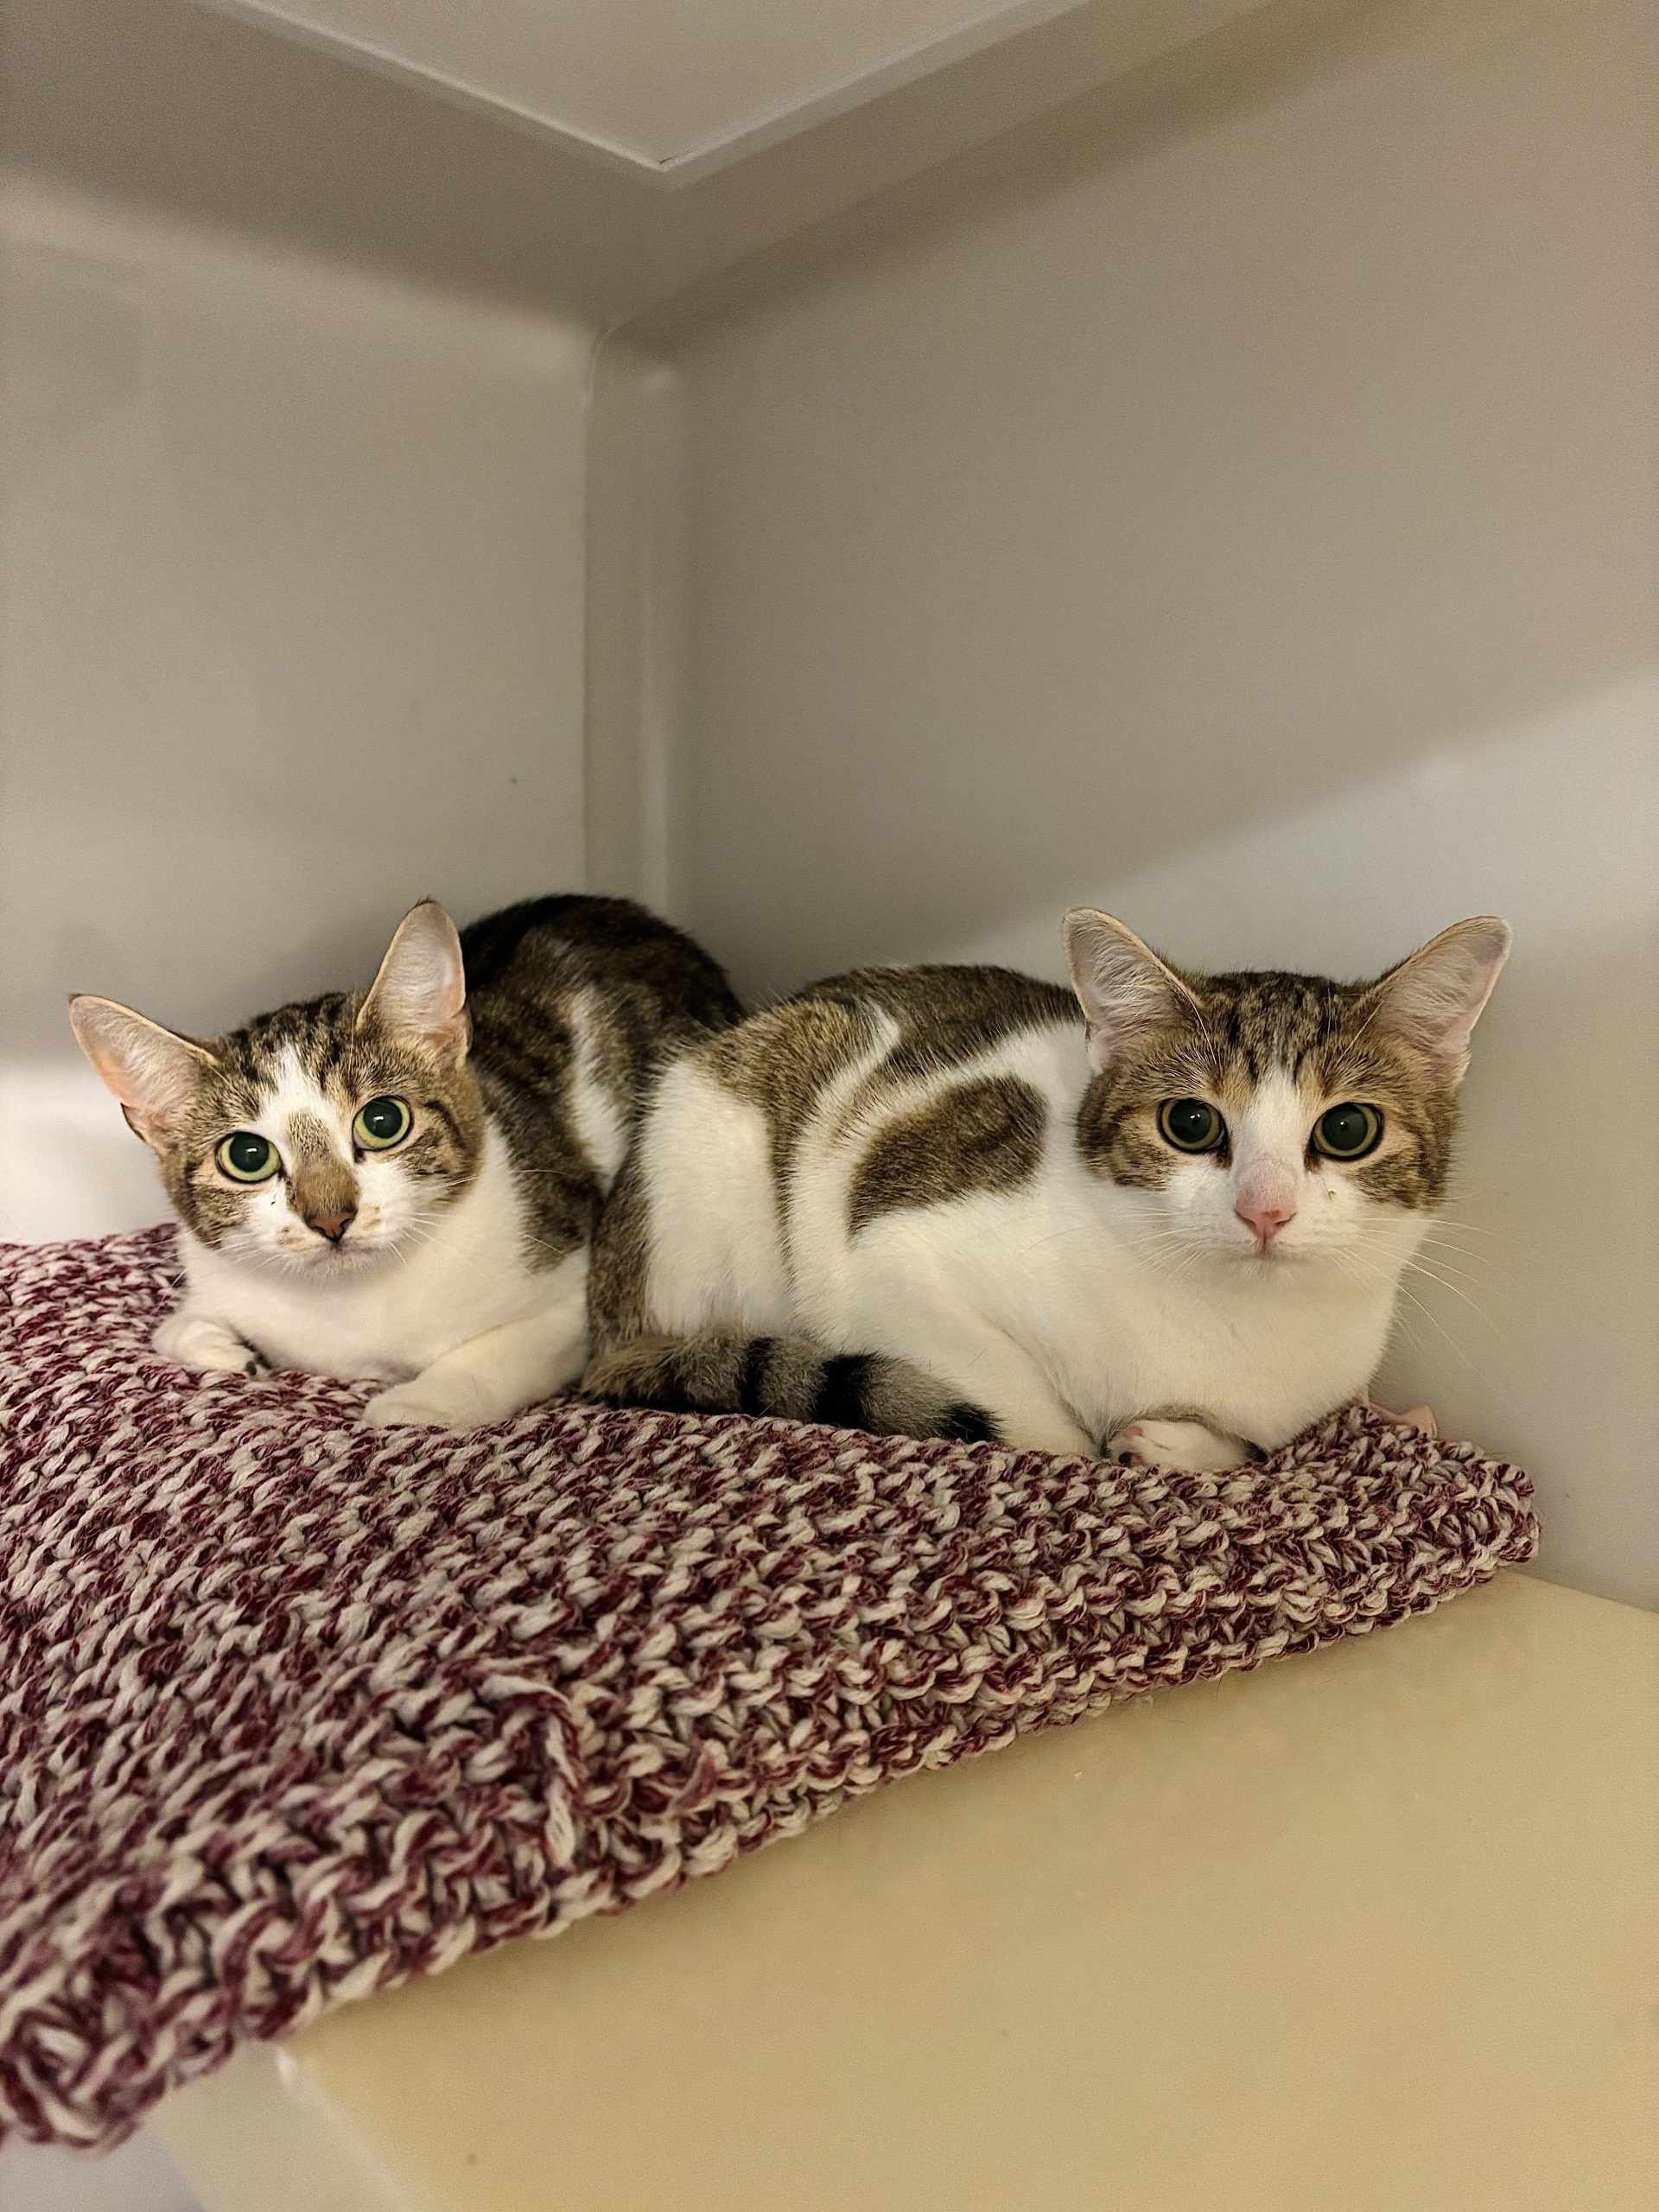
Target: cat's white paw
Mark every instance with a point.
(1187, 1445)
(430, 1401)
(210, 1347)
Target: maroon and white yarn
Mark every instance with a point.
(292, 1709)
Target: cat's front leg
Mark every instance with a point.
(1186, 1446)
(490, 1377)
(201, 1341)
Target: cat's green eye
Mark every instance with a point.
(1348, 1132)
(246, 1157)
(382, 1122)
(1191, 1124)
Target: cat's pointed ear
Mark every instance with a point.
(1434, 999)
(1122, 985)
(152, 1071)
(420, 992)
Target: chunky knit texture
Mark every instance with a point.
(292, 1709)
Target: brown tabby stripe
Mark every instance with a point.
(783, 1059)
(986, 1135)
(292, 1709)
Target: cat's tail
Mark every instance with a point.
(790, 1377)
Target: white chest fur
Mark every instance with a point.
(1255, 1351)
(467, 1273)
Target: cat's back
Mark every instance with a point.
(911, 1022)
(599, 978)
(863, 1044)
(945, 1015)
(576, 1004)
(528, 960)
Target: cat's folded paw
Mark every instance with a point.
(1186, 1445)
(429, 1401)
(210, 1347)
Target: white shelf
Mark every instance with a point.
(1374, 1928)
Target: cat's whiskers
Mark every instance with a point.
(1400, 1320)
(1474, 1305)
(395, 1248)
(1453, 1235)
(1440, 1260)
(421, 1233)
(1156, 1248)
(1404, 1291)
(1439, 1221)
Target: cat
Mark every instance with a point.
(1160, 1216)
(401, 1183)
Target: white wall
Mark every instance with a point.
(1252, 532)
(292, 635)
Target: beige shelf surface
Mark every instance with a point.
(1371, 1930)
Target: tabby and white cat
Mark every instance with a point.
(401, 1184)
(936, 1201)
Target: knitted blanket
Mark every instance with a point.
(292, 1709)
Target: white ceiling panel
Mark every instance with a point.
(672, 85)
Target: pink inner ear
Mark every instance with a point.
(421, 985)
(1122, 985)
(1435, 998)
(150, 1070)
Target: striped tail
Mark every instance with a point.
(789, 1377)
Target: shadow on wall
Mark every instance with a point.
(1521, 823)
(291, 632)
(1059, 543)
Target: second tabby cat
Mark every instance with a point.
(399, 1185)
(1163, 1214)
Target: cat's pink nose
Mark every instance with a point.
(1264, 1221)
(333, 1226)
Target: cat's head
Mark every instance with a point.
(1272, 1121)
(324, 1136)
